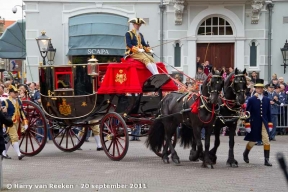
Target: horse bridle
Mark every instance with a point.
(233, 84)
(217, 82)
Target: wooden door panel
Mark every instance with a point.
(218, 54)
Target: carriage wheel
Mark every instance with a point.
(69, 138)
(174, 142)
(33, 140)
(114, 136)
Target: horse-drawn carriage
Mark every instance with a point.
(75, 97)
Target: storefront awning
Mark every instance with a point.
(13, 42)
(97, 34)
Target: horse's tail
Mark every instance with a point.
(156, 136)
(186, 134)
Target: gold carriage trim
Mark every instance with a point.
(84, 104)
(121, 77)
(48, 104)
(64, 108)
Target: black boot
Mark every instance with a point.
(245, 155)
(266, 156)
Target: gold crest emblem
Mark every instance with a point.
(120, 77)
(84, 104)
(64, 108)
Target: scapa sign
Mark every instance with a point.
(98, 52)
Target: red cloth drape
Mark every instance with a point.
(129, 76)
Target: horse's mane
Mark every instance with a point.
(228, 79)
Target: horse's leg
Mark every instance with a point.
(231, 161)
(213, 151)
(197, 138)
(207, 160)
(165, 157)
(193, 150)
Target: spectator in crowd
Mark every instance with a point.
(281, 81)
(275, 81)
(274, 76)
(198, 62)
(207, 68)
(3, 95)
(23, 92)
(188, 83)
(273, 96)
(136, 132)
(225, 74)
(282, 100)
(200, 75)
(254, 76)
(230, 70)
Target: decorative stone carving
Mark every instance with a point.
(179, 9)
(257, 6)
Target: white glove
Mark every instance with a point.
(25, 127)
(270, 129)
(141, 50)
(248, 130)
(282, 104)
(151, 51)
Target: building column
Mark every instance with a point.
(239, 54)
(192, 51)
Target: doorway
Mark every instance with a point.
(218, 54)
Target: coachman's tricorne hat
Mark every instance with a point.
(12, 88)
(259, 83)
(137, 21)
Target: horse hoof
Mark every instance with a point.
(193, 158)
(166, 161)
(233, 164)
(176, 161)
(204, 165)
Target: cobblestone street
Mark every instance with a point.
(142, 170)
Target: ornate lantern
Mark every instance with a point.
(284, 51)
(91, 67)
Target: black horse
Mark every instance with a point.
(175, 109)
(234, 96)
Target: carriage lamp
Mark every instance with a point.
(91, 67)
(284, 51)
(51, 54)
(43, 44)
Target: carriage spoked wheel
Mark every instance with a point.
(69, 138)
(174, 142)
(33, 140)
(114, 136)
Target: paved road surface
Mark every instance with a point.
(86, 170)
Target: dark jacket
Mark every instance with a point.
(132, 41)
(260, 113)
(8, 123)
(275, 106)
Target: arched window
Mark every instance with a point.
(215, 26)
(177, 55)
(253, 54)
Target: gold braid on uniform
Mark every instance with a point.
(62, 83)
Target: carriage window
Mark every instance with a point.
(63, 81)
(215, 26)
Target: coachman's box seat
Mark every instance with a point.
(129, 77)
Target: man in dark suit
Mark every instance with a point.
(259, 124)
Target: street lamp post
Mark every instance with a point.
(51, 54)
(43, 44)
(284, 51)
